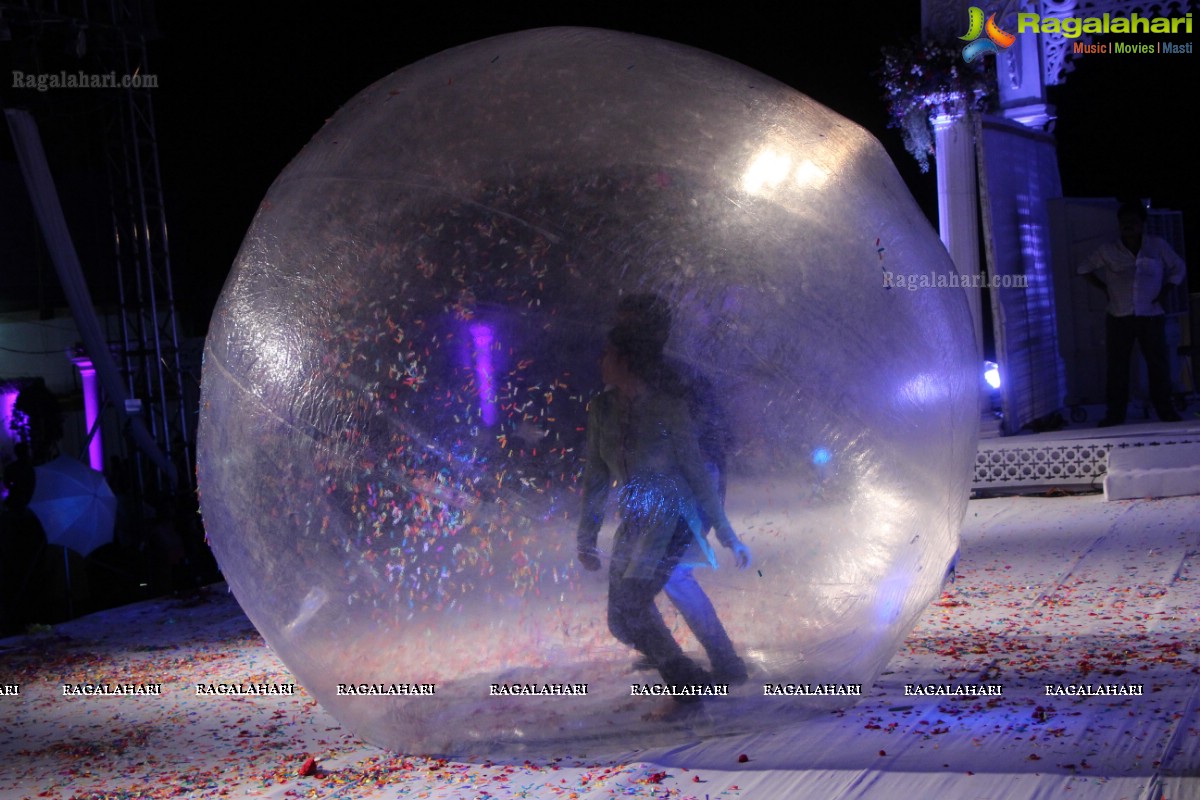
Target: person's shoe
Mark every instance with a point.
(683, 671)
(643, 663)
(732, 673)
(1109, 422)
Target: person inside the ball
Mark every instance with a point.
(641, 439)
(650, 314)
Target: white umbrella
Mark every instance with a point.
(76, 507)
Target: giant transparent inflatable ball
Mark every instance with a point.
(396, 382)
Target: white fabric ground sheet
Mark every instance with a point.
(1065, 590)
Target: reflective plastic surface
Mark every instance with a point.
(396, 380)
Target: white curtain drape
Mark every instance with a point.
(44, 197)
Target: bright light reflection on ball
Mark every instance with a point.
(396, 378)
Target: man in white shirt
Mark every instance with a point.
(1136, 271)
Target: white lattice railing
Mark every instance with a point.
(1025, 461)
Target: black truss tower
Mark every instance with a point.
(114, 34)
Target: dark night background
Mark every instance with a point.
(249, 88)
(243, 86)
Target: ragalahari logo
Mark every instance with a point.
(997, 38)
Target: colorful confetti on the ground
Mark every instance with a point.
(1067, 591)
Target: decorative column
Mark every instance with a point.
(91, 409)
(958, 194)
(1033, 62)
(8, 401)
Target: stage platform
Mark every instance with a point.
(1074, 457)
(1050, 592)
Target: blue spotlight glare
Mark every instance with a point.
(821, 456)
(991, 374)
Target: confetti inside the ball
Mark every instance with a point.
(394, 421)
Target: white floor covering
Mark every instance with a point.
(1063, 590)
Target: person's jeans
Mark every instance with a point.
(697, 611)
(635, 620)
(1149, 333)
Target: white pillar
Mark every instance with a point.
(1033, 61)
(958, 198)
(8, 401)
(91, 409)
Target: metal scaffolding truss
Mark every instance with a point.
(150, 335)
(114, 34)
